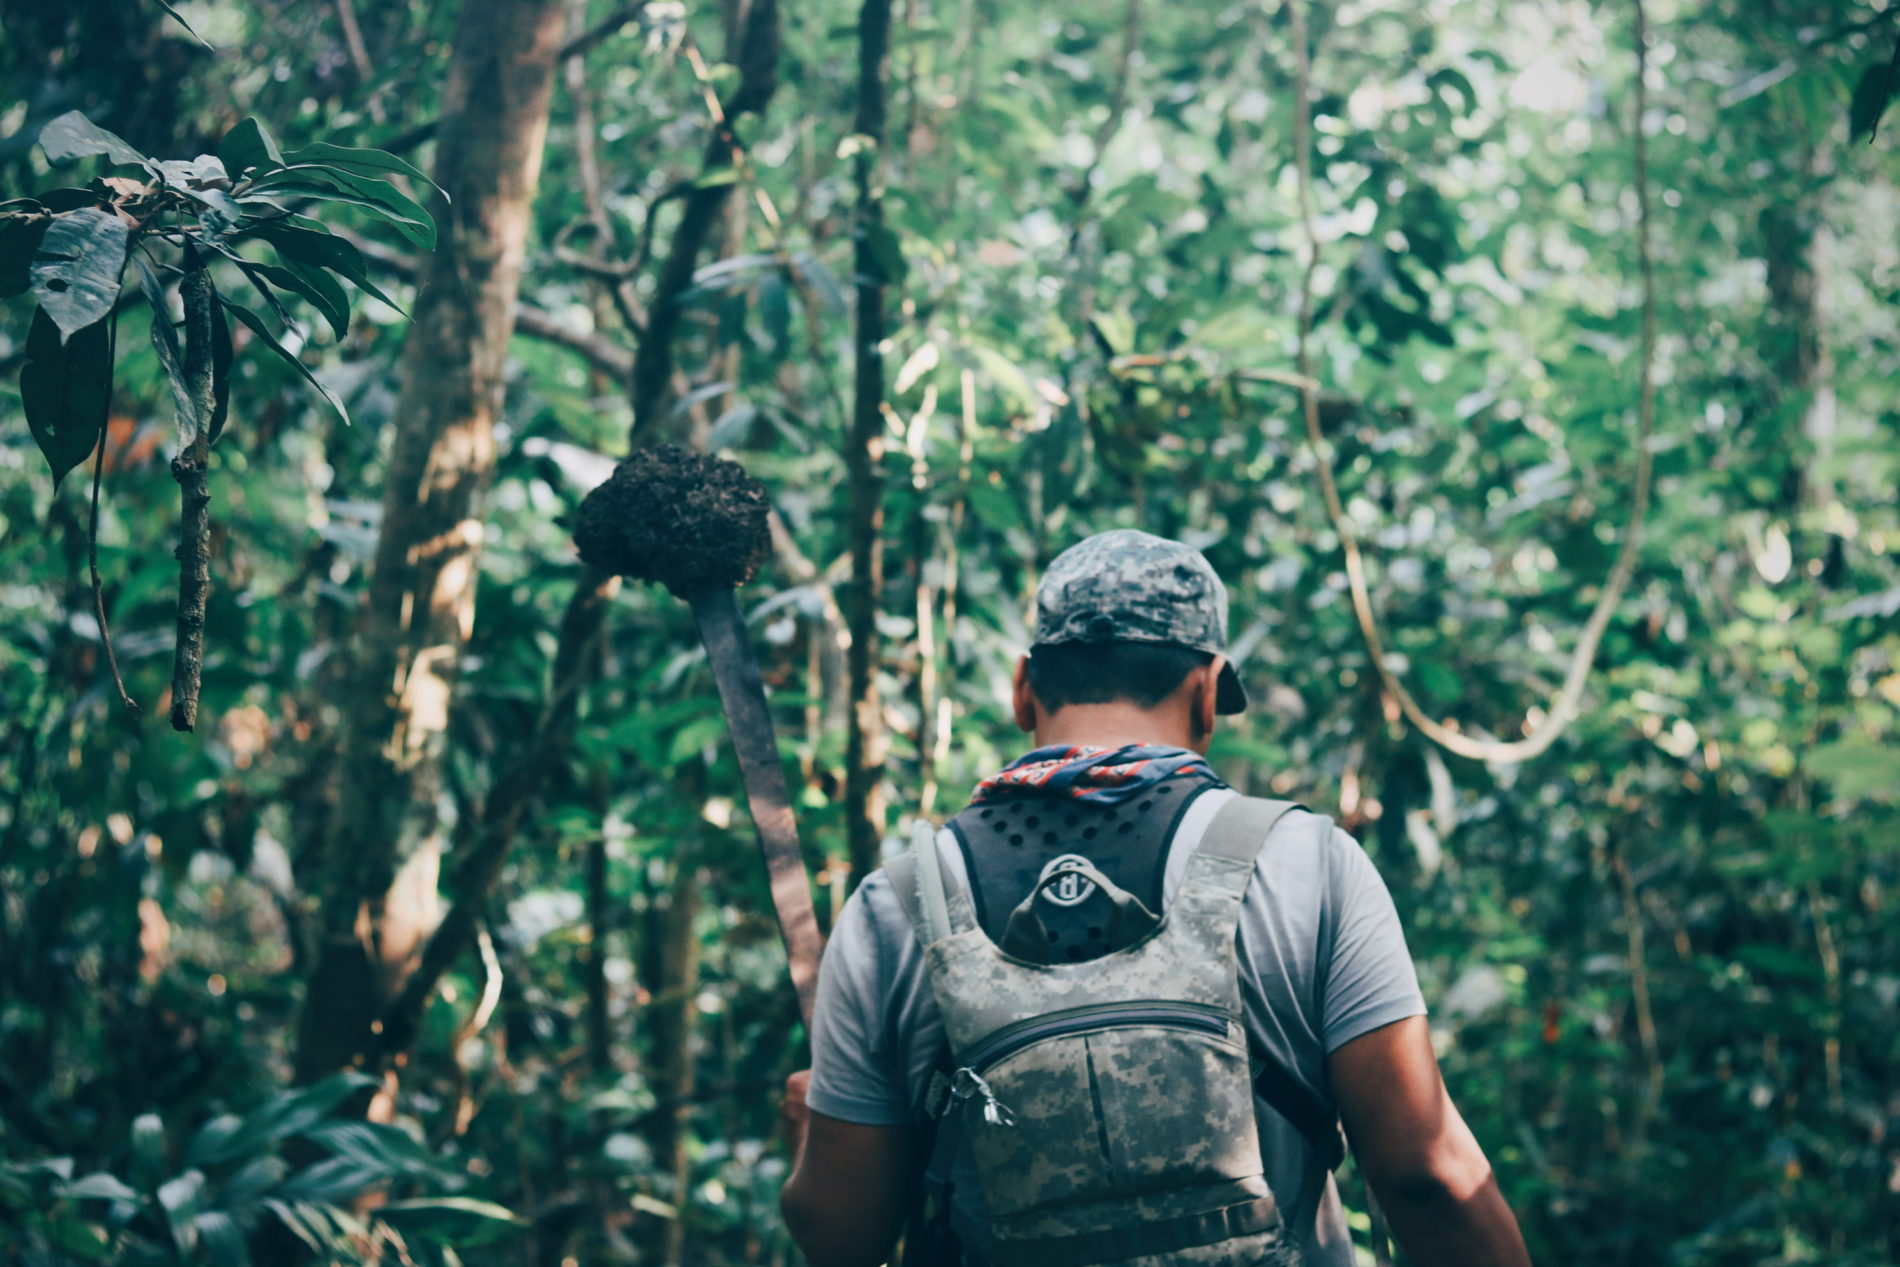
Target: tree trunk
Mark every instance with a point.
(1794, 236)
(379, 896)
(675, 1016)
(864, 451)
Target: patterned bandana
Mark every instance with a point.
(1100, 776)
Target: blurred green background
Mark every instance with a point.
(1662, 969)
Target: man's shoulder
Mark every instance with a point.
(872, 923)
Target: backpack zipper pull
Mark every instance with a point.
(968, 1082)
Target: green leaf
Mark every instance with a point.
(19, 239)
(208, 1144)
(1856, 768)
(458, 1221)
(823, 281)
(77, 269)
(78, 1238)
(887, 256)
(1871, 96)
(256, 323)
(387, 1148)
(165, 343)
(332, 1179)
(66, 390)
(317, 286)
(99, 1186)
(318, 249)
(221, 357)
(331, 185)
(203, 170)
(249, 147)
(251, 1180)
(221, 211)
(287, 1113)
(72, 135)
(775, 311)
(1778, 961)
(995, 505)
(362, 160)
(180, 19)
(223, 1239)
(180, 1199)
(295, 1216)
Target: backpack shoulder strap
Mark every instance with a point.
(1237, 835)
(1241, 827)
(929, 895)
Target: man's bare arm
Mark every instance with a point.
(1429, 1173)
(844, 1203)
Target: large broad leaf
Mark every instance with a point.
(262, 331)
(148, 1148)
(333, 1179)
(318, 249)
(223, 1239)
(335, 184)
(72, 135)
(19, 240)
(101, 1187)
(252, 1180)
(249, 146)
(181, 1199)
(165, 343)
(282, 1115)
(457, 1221)
(385, 1147)
(66, 388)
(324, 291)
(76, 272)
(355, 160)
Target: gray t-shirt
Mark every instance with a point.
(1322, 961)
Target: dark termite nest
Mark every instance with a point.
(684, 519)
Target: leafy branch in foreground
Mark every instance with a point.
(208, 1198)
(72, 247)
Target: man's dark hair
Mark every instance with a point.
(1142, 673)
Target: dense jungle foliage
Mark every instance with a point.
(1026, 273)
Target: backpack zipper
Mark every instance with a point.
(1201, 1017)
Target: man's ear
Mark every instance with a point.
(1207, 697)
(1022, 699)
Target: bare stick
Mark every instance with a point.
(92, 528)
(189, 468)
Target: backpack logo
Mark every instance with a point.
(1070, 890)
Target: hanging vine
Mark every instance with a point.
(1563, 706)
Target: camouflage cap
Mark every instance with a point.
(1129, 586)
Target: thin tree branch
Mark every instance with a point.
(190, 469)
(864, 744)
(535, 323)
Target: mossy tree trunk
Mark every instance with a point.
(380, 863)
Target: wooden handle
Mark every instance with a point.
(742, 695)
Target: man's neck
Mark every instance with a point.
(1116, 725)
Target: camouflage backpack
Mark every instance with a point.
(1107, 1102)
